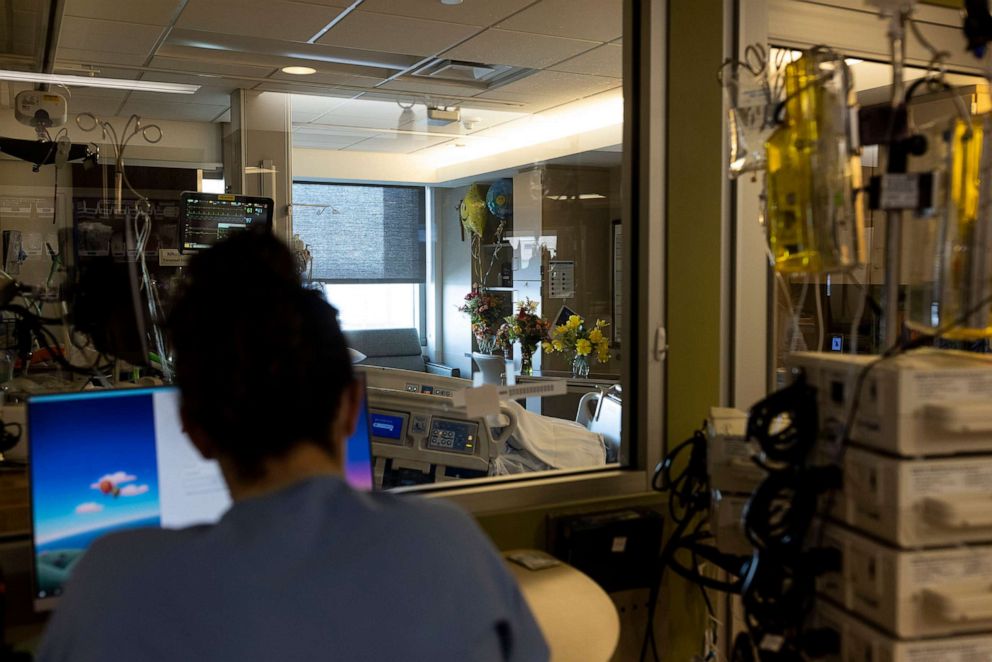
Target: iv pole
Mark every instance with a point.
(898, 14)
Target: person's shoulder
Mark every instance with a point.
(124, 552)
(432, 513)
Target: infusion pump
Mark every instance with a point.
(420, 437)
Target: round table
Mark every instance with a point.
(578, 619)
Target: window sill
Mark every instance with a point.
(485, 496)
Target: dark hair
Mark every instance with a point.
(261, 362)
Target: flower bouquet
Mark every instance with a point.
(576, 338)
(483, 310)
(527, 328)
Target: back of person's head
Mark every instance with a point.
(261, 362)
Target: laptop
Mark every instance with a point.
(105, 461)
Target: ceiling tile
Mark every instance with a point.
(308, 140)
(518, 49)
(207, 96)
(25, 30)
(341, 4)
(267, 62)
(397, 144)
(217, 93)
(379, 73)
(109, 36)
(272, 19)
(211, 66)
(328, 79)
(436, 88)
(478, 119)
(100, 71)
(596, 20)
(299, 88)
(307, 108)
(482, 13)
(559, 86)
(147, 12)
(365, 113)
(99, 102)
(137, 104)
(607, 60)
(86, 56)
(395, 34)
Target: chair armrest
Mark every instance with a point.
(441, 369)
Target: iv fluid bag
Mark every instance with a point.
(953, 294)
(814, 217)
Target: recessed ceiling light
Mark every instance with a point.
(451, 2)
(299, 71)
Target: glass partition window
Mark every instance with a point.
(454, 189)
(521, 155)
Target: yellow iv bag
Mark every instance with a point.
(814, 217)
(955, 298)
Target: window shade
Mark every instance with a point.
(360, 233)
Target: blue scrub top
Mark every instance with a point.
(316, 571)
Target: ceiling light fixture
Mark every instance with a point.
(299, 71)
(451, 2)
(107, 83)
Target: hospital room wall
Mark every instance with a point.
(584, 232)
(454, 280)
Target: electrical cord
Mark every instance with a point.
(689, 499)
(778, 586)
(785, 424)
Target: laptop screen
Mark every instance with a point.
(105, 461)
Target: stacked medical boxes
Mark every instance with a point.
(733, 476)
(914, 519)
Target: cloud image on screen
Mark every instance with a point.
(93, 472)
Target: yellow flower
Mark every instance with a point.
(558, 345)
(574, 322)
(561, 329)
(604, 345)
(548, 347)
(583, 347)
(601, 324)
(595, 336)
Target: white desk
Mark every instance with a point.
(578, 619)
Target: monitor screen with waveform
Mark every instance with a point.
(206, 218)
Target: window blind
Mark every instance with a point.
(361, 233)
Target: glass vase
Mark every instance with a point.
(526, 361)
(580, 367)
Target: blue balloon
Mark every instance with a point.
(499, 199)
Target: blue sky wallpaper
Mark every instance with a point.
(93, 463)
